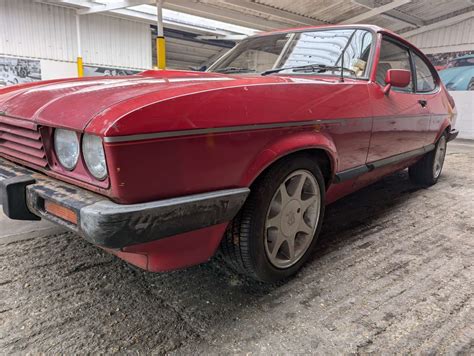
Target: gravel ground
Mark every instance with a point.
(393, 273)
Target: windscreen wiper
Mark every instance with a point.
(229, 70)
(318, 68)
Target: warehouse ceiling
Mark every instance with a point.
(199, 30)
(396, 15)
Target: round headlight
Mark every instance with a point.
(66, 146)
(94, 156)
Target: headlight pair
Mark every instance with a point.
(67, 148)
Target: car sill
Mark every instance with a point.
(368, 167)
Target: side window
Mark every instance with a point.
(393, 56)
(424, 78)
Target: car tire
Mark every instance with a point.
(427, 170)
(258, 241)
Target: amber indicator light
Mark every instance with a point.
(60, 211)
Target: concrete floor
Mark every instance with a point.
(393, 272)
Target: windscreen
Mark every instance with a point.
(290, 50)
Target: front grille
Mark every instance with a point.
(21, 139)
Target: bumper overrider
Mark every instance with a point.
(452, 134)
(28, 195)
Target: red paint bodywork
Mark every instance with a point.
(375, 126)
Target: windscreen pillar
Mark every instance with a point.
(160, 38)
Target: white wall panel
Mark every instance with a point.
(110, 40)
(465, 106)
(54, 69)
(457, 37)
(37, 30)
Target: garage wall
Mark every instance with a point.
(454, 38)
(36, 30)
(111, 41)
(55, 69)
(465, 106)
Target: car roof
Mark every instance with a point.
(467, 56)
(372, 28)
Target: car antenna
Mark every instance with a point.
(342, 54)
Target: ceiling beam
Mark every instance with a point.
(405, 18)
(112, 6)
(448, 22)
(393, 14)
(139, 16)
(285, 16)
(223, 14)
(376, 11)
(223, 38)
(152, 19)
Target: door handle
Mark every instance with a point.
(423, 103)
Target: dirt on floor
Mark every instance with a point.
(393, 273)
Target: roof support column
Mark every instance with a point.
(160, 38)
(80, 67)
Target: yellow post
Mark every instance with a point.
(160, 37)
(160, 52)
(80, 67)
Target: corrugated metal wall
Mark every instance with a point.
(25, 24)
(119, 42)
(109, 41)
(457, 37)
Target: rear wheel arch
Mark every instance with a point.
(445, 127)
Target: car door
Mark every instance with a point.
(428, 86)
(401, 118)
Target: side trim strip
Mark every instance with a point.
(215, 130)
(400, 157)
(360, 170)
(351, 173)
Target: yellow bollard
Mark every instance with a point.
(80, 67)
(161, 52)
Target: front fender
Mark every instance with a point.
(287, 145)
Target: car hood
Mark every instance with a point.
(457, 78)
(75, 103)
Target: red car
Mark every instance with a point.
(164, 168)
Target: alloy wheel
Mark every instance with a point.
(439, 157)
(292, 218)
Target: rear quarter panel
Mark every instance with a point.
(442, 114)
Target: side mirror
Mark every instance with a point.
(398, 78)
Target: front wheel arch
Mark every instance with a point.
(320, 145)
(243, 245)
(321, 157)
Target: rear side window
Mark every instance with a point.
(393, 56)
(424, 78)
